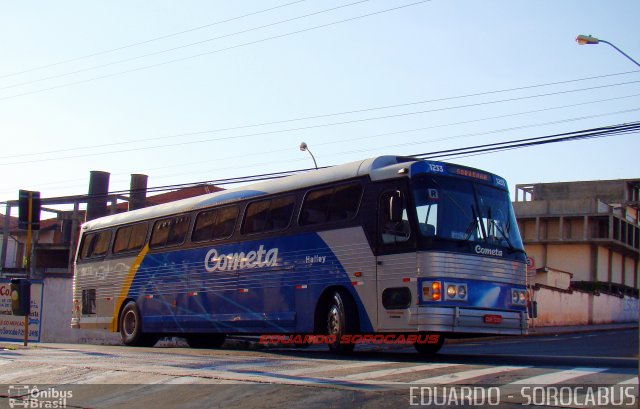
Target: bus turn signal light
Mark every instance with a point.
(432, 291)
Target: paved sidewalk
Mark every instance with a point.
(568, 329)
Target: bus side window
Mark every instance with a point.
(130, 238)
(268, 215)
(331, 204)
(87, 244)
(95, 244)
(169, 231)
(102, 243)
(215, 224)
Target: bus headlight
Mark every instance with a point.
(456, 291)
(462, 292)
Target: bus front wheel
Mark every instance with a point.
(341, 321)
(131, 327)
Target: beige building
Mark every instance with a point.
(588, 229)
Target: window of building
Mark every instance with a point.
(170, 231)
(331, 204)
(130, 238)
(95, 244)
(215, 224)
(268, 215)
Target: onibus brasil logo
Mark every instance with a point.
(23, 396)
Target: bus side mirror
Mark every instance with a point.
(396, 207)
(20, 297)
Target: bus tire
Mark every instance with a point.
(206, 340)
(131, 327)
(341, 320)
(429, 349)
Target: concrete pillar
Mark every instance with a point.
(98, 189)
(138, 191)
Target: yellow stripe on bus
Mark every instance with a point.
(126, 285)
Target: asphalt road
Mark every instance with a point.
(505, 372)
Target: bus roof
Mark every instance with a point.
(378, 168)
(369, 167)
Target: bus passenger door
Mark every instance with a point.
(396, 259)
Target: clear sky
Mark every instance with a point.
(153, 87)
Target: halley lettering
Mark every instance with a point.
(238, 261)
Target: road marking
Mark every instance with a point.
(557, 377)
(394, 371)
(464, 375)
(325, 368)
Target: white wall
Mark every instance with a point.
(578, 308)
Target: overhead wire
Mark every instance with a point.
(215, 51)
(600, 132)
(163, 37)
(363, 110)
(124, 60)
(232, 137)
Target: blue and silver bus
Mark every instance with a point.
(387, 245)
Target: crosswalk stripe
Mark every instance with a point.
(557, 377)
(395, 371)
(333, 367)
(464, 375)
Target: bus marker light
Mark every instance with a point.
(358, 283)
(149, 296)
(409, 280)
(243, 290)
(301, 286)
(192, 293)
(358, 274)
(109, 298)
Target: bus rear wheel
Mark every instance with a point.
(131, 328)
(206, 340)
(341, 321)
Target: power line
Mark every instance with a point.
(484, 93)
(95, 67)
(112, 50)
(214, 51)
(342, 153)
(606, 131)
(183, 143)
(631, 127)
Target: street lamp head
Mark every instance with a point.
(303, 146)
(583, 39)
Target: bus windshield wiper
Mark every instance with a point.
(473, 225)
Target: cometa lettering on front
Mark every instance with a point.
(238, 261)
(488, 252)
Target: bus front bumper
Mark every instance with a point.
(468, 320)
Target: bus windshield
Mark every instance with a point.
(453, 209)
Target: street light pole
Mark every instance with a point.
(304, 147)
(583, 40)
